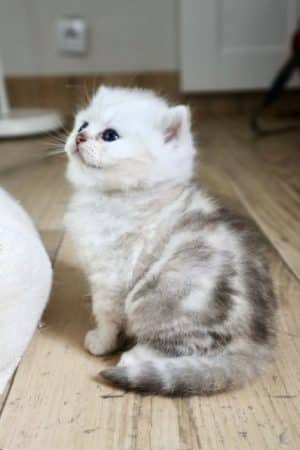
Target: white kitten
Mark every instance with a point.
(168, 268)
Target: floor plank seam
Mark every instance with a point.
(10, 385)
(58, 247)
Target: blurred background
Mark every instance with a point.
(226, 51)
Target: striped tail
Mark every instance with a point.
(188, 375)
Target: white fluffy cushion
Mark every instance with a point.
(25, 282)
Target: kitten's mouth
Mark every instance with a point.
(77, 153)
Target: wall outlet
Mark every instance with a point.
(72, 35)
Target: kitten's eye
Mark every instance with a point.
(110, 135)
(82, 127)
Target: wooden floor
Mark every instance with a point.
(54, 401)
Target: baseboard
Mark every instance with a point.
(68, 93)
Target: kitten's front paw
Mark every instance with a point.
(98, 342)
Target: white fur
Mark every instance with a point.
(25, 281)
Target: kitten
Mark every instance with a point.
(168, 267)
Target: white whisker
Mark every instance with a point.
(55, 152)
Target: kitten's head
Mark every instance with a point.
(128, 139)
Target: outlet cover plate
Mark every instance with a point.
(72, 35)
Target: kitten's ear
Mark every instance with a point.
(176, 124)
(103, 89)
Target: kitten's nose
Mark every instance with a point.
(81, 137)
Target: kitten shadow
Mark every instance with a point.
(68, 315)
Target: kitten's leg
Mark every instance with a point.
(104, 338)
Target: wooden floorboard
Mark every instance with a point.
(267, 183)
(56, 402)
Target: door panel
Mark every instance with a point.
(234, 44)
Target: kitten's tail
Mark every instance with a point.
(188, 375)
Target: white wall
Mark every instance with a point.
(126, 35)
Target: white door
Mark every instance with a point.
(234, 44)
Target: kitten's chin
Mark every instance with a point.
(82, 175)
(79, 157)
(90, 165)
